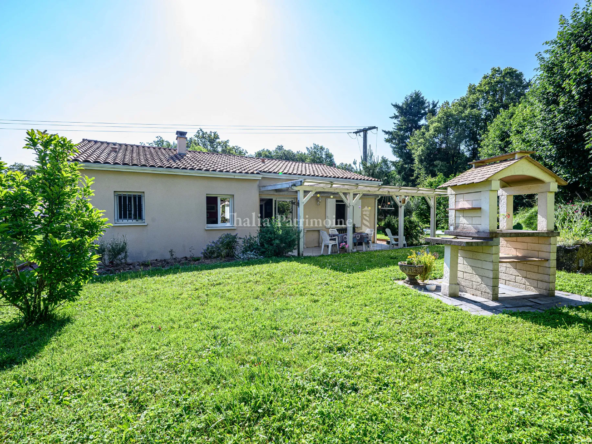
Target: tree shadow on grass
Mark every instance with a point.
(566, 317)
(19, 343)
(342, 263)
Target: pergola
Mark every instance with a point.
(351, 193)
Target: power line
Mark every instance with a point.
(152, 131)
(168, 125)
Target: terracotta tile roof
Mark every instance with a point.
(109, 153)
(479, 174)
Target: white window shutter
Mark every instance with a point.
(358, 214)
(330, 212)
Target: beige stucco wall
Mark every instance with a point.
(175, 210)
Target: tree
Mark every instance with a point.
(320, 154)
(409, 116)
(48, 230)
(314, 154)
(439, 147)
(422, 209)
(27, 170)
(161, 143)
(555, 117)
(381, 169)
(281, 153)
(210, 142)
(454, 135)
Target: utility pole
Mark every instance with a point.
(365, 131)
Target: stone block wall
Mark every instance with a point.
(538, 277)
(467, 220)
(478, 271)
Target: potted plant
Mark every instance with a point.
(412, 268)
(343, 247)
(419, 264)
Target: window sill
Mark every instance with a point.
(221, 227)
(138, 224)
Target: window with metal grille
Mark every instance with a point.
(129, 208)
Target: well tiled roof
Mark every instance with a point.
(479, 174)
(109, 153)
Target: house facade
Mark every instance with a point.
(177, 201)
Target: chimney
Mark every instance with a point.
(181, 142)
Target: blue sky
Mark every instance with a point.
(252, 62)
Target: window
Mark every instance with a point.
(219, 210)
(280, 208)
(129, 208)
(340, 213)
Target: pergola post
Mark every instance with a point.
(401, 222)
(432, 204)
(375, 240)
(301, 202)
(350, 216)
(301, 222)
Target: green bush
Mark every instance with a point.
(250, 248)
(277, 237)
(526, 219)
(223, 247)
(48, 230)
(422, 209)
(412, 229)
(574, 222)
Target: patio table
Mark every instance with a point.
(358, 239)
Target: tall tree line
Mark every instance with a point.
(550, 115)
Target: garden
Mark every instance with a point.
(316, 349)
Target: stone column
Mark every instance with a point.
(450, 285)
(506, 212)
(488, 210)
(546, 204)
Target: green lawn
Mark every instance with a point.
(314, 350)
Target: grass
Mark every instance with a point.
(323, 349)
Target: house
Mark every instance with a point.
(164, 199)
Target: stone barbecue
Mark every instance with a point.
(482, 250)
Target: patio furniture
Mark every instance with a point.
(329, 242)
(333, 231)
(358, 239)
(370, 233)
(394, 240)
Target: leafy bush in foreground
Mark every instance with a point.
(48, 230)
(223, 247)
(277, 237)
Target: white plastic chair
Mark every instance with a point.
(333, 231)
(394, 239)
(328, 242)
(370, 233)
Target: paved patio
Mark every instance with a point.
(510, 299)
(316, 251)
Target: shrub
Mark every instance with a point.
(425, 258)
(573, 222)
(411, 228)
(48, 230)
(277, 237)
(526, 219)
(250, 248)
(223, 247)
(113, 251)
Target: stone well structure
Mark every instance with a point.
(483, 250)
